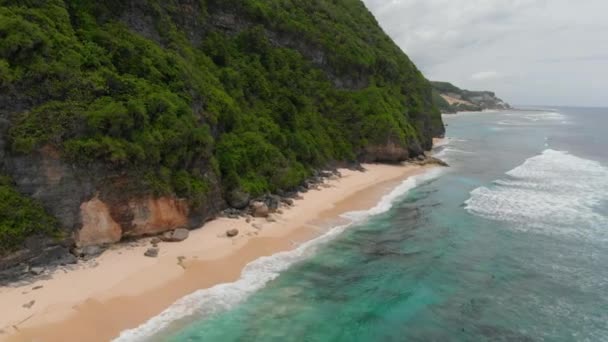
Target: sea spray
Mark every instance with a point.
(258, 273)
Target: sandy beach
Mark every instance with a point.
(123, 289)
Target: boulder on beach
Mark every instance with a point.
(259, 209)
(37, 270)
(89, 252)
(176, 235)
(273, 202)
(287, 201)
(232, 232)
(151, 252)
(29, 304)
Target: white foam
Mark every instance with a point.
(554, 192)
(530, 118)
(386, 203)
(455, 150)
(258, 273)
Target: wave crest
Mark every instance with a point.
(554, 191)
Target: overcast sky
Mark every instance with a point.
(545, 52)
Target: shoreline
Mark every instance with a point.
(123, 289)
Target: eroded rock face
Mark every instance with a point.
(152, 216)
(59, 186)
(148, 216)
(98, 226)
(389, 153)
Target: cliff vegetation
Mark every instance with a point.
(193, 99)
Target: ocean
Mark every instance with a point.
(508, 244)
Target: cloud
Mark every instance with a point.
(485, 75)
(507, 44)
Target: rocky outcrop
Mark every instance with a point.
(98, 226)
(147, 217)
(238, 199)
(156, 215)
(392, 152)
(389, 153)
(259, 209)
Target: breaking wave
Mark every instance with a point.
(554, 192)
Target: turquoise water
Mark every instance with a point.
(509, 244)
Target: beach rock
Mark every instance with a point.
(67, 259)
(302, 189)
(232, 213)
(177, 235)
(29, 304)
(238, 199)
(287, 201)
(248, 219)
(155, 241)
(37, 287)
(180, 261)
(272, 201)
(89, 252)
(325, 174)
(232, 232)
(37, 270)
(271, 218)
(259, 209)
(287, 194)
(431, 161)
(46, 256)
(151, 252)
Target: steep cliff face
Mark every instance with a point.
(451, 99)
(127, 118)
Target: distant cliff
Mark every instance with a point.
(451, 99)
(129, 118)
